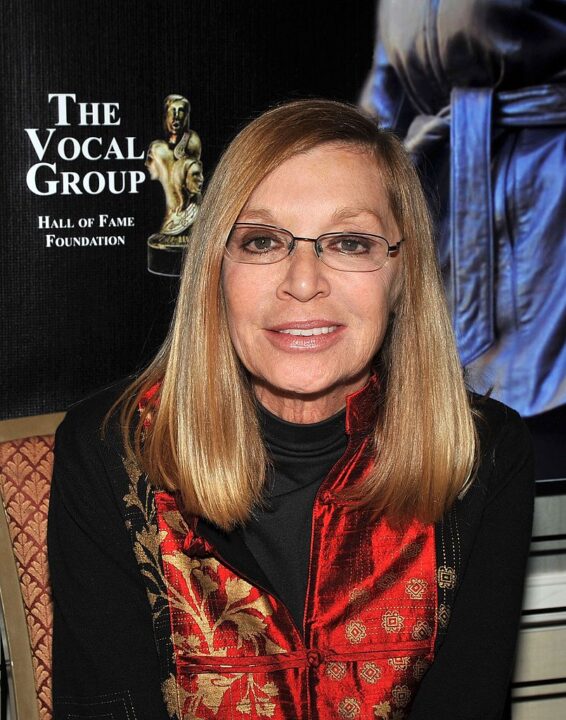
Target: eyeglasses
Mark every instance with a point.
(256, 244)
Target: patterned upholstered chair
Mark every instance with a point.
(25, 476)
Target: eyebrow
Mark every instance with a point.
(345, 213)
(259, 214)
(348, 213)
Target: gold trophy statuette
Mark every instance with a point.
(176, 163)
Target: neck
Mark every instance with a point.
(302, 408)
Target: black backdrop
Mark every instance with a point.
(77, 318)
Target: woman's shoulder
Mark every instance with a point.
(505, 446)
(89, 425)
(496, 422)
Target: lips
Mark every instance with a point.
(311, 331)
(304, 324)
(305, 335)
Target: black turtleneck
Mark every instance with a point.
(279, 533)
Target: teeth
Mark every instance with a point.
(312, 331)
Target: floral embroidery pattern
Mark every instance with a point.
(399, 663)
(446, 577)
(219, 622)
(211, 688)
(141, 522)
(349, 708)
(336, 670)
(392, 621)
(416, 588)
(201, 582)
(382, 710)
(421, 630)
(401, 695)
(261, 702)
(355, 631)
(419, 668)
(412, 550)
(386, 580)
(358, 596)
(443, 615)
(370, 672)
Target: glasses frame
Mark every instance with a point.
(391, 249)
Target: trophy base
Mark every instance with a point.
(165, 254)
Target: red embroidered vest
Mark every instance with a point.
(370, 615)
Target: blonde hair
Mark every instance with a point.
(201, 436)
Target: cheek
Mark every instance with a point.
(387, 292)
(373, 301)
(242, 302)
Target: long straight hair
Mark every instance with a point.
(199, 434)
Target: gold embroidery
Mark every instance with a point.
(140, 513)
(399, 663)
(211, 688)
(349, 708)
(250, 627)
(189, 644)
(210, 691)
(358, 596)
(446, 577)
(132, 469)
(419, 668)
(133, 500)
(443, 615)
(416, 588)
(174, 520)
(412, 550)
(382, 710)
(203, 587)
(147, 543)
(421, 630)
(401, 695)
(355, 631)
(392, 621)
(386, 580)
(336, 670)
(169, 692)
(370, 672)
(258, 698)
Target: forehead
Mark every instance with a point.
(329, 180)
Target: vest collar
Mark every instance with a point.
(362, 407)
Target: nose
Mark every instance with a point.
(305, 276)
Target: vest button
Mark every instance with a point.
(314, 658)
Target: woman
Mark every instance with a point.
(325, 523)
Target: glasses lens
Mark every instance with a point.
(353, 252)
(257, 244)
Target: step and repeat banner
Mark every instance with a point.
(114, 115)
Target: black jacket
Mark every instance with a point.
(105, 651)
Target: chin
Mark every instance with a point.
(313, 385)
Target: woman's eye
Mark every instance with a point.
(261, 243)
(350, 245)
